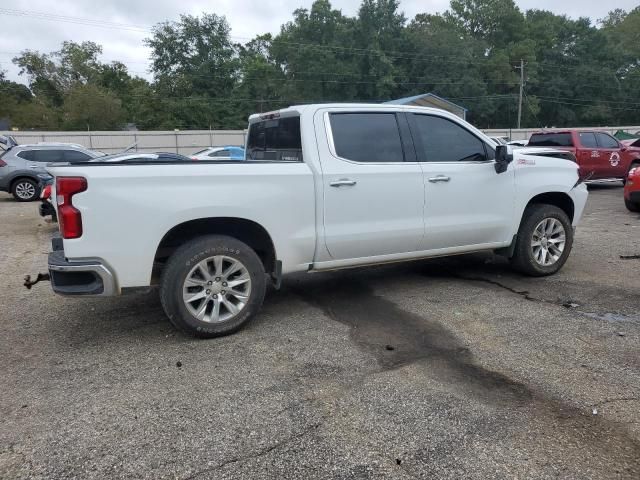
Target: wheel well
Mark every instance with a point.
(21, 177)
(247, 231)
(559, 199)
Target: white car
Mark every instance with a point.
(323, 187)
(219, 153)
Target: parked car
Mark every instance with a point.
(220, 153)
(632, 190)
(22, 167)
(599, 155)
(517, 143)
(324, 187)
(500, 140)
(141, 157)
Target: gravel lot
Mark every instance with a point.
(453, 368)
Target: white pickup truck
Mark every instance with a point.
(323, 187)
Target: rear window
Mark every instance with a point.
(551, 140)
(277, 139)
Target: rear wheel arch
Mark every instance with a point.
(247, 231)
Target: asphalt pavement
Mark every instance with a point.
(450, 368)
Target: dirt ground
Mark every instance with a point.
(451, 368)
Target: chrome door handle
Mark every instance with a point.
(439, 178)
(343, 182)
(33, 166)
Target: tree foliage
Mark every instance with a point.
(576, 72)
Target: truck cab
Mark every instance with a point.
(598, 154)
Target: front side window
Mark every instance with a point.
(75, 156)
(606, 141)
(441, 140)
(588, 140)
(47, 156)
(275, 139)
(366, 137)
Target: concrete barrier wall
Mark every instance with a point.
(184, 142)
(190, 141)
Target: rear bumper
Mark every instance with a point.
(634, 197)
(79, 278)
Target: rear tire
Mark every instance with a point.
(25, 190)
(212, 286)
(543, 242)
(632, 206)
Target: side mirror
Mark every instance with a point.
(504, 156)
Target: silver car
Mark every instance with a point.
(22, 167)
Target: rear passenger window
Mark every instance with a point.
(366, 137)
(275, 139)
(588, 140)
(27, 155)
(606, 141)
(441, 140)
(47, 156)
(75, 156)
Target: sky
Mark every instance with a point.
(37, 25)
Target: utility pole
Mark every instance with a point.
(521, 67)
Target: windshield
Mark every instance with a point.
(275, 139)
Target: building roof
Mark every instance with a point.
(407, 100)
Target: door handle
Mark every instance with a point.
(33, 166)
(439, 178)
(343, 182)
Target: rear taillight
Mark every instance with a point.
(69, 217)
(3, 163)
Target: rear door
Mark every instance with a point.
(588, 155)
(466, 202)
(373, 186)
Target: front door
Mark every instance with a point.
(373, 196)
(611, 155)
(466, 202)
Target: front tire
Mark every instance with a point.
(25, 190)
(212, 286)
(543, 242)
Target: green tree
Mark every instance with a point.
(89, 107)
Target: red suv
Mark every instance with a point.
(599, 155)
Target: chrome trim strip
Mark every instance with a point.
(108, 280)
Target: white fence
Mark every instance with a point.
(184, 142)
(190, 141)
